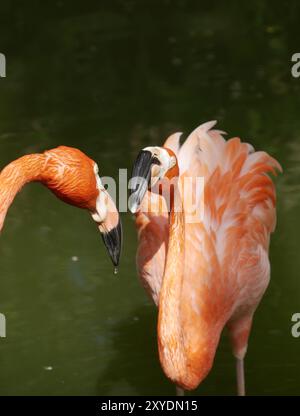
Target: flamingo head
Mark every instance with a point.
(151, 166)
(74, 178)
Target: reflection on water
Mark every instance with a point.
(111, 79)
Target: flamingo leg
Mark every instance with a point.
(179, 391)
(240, 375)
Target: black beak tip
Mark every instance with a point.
(113, 242)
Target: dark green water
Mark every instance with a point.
(110, 80)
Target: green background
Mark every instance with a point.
(111, 78)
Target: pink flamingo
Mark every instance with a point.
(212, 273)
(73, 177)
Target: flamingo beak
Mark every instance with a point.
(113, 242)
(111, 230)
(140, 179)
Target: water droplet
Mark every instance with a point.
(116, 270)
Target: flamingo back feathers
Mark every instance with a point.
(236, 177)
(227, 264)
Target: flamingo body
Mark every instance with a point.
(223, 256)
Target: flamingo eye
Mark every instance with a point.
(156, 161)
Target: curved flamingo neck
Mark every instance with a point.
(186, 343)
(170, 334)
(14, 176)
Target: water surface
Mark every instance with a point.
(110, 80)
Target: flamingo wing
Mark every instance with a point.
(227, 266)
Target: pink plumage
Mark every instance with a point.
(226, 266)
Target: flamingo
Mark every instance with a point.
(208, 274)
(74, 178)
